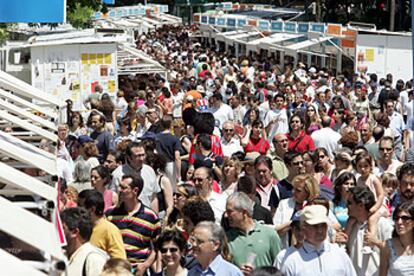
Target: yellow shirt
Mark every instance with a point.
(107, 237)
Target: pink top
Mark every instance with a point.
(108, 196)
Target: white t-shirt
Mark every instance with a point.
(280, 126)
(222, 114)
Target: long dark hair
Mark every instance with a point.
(339, 181)
(407, 207)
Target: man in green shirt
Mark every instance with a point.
(251, 244)
(280, 144)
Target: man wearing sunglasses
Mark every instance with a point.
(363, 246)
(230, 143)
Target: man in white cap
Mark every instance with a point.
(317, 256)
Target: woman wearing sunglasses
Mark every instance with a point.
(180, 197)
(171, 248)
(397, 257)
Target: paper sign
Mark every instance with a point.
(100, 59)
(85, 58)
(369, 55)
(111, 86)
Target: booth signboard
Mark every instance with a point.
(196, 18)
(252, 22)
(264, 25)
(203, 19)
(73, 71)
(131, 10)
(350, 40)
(290, 27)
(303, 27)
(241, 22)
(334, 29)
(212, 20)
(277, 26)
(30, 11)
(227, 5)
(231, 22)
(221, 21)
(317, 27)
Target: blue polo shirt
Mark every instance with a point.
(219, 267)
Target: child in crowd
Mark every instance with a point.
(364, 166)
(389, 184)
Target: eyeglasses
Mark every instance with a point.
(311, 110)
(321, 156)
(171, 249)
(295, 122)
(403, 218)
(228, 129)
(297, 163)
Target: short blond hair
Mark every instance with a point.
(311, 185)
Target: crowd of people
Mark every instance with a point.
(236, 166)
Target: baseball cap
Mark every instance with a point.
(314, 214)
(83, 139)
(251, 156)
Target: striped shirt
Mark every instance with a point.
(138, 231)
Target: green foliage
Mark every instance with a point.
(71, 4)
(81, 16)
(4, 34)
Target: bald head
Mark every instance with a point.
(326, 121)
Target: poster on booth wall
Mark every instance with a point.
(73, 71)
(100, 65)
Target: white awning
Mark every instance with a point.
(278, 42)
(30, 228)
(222, 36)
(234, 38)
(134, 61)
(20, 180)
(27, 153)
(308, 43)
(23, 89)
(14, 266)
(255, 45)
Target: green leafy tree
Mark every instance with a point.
(81, 16)
(79, 12)
(4, 34)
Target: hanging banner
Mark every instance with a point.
(30, 11)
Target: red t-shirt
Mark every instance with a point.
(261, 146)
(306, 143)
(215, 148)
